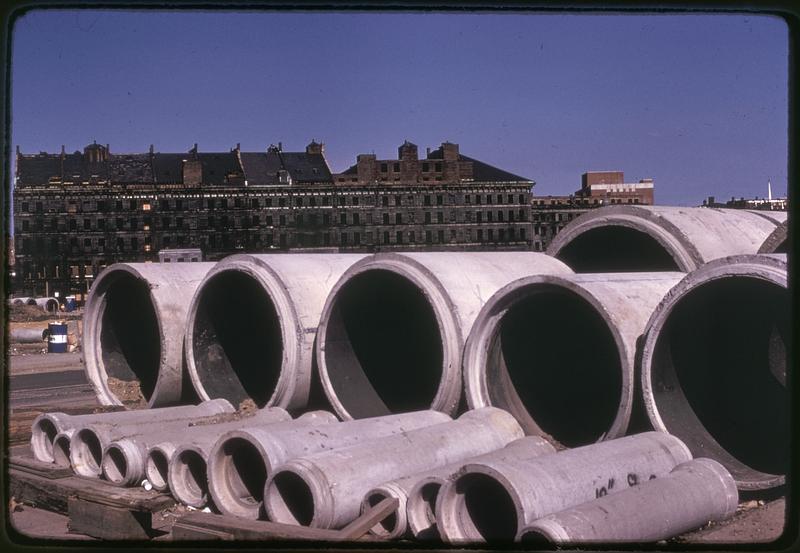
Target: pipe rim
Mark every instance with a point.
(777, 238)
(449, 389)
(270, 281)
(318, 487)
(96, 305)
(122, 463)
(769, 268)
(45, 426)
(487, 324)
(86, 452)
(670, 237)
(217, 463)
(61, 449)
(421, 519)
(158, 456)
(177, 473)
(388, 491)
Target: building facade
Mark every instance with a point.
(75, 214)
(550, 214)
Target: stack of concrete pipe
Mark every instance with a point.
(569, 344)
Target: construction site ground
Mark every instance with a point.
(40, 382)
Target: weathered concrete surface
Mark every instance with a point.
(558, 351)
(187, 472)
(251, 326)
(241, 461)
(777, 241)
(125, 460)
(714, 366)
(93, 434)
(326, 490)
(393, 329)
(27, 335)
(692, 495)
(133, 328)
(657, 238)
(423, 486)
(493, 499)
(754, 522)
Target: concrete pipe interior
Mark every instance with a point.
(485, 510)
(424, 510)
(157, 468)
(86, 453)
(718, 368)
(237, 341)
(388, 525)
(291, 499)
(243, 472)
(130, 340)
(616, 249)
(43, 437)
(51, 306)
(192, 475)
(383, 349)
(553, 363)
(115, 465)
(61, 451)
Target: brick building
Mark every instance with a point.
(76, 213)
(550, 214)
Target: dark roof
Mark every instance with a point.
(38, 169)
(483, 172)
(262, 168)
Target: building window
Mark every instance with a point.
(490, 235)
(522, 234)
(384, 168)
(427, 217)
(398, 200)
(425, 167)
(452, 235)
(399, 237)
(282, 221)
(412, 237)
(398, 218)
(439, 199)
(477, 199)
(298, 200)
(489, 216)
(357, 238)
(427, 200)
(343, 239)
(428, 237)
(396, 167)
(326, 239)
(439, 217)
(385, 218)
(480, 235)
(385, 201)
(343, 218)
(478, 216)
(500, 216)
(356, 219)
(25, 225)
(24, 207)
(146, 206)
(440, 236)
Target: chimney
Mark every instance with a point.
(449, 151)
(428, 152)
(315, 147)
(151, 149)
(407, 151)
(280, 146)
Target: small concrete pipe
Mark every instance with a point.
(397, 525)
(241, 461)
(421, 498)
(46, 426)
(61, 449)
(692, 495)
(778, 241)
(125, 459)
(252, 324)
(91, 437)
(493, 499)
(27, 335)
(714, 362)
(48, 305)
(393, 328)
(188, 466)
(133, 329)
(572, 395)
(624, 238)
(326, 490)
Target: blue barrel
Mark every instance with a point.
(70, 303)
(57, 341)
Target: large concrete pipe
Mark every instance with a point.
(494, 499)
(188, 467)
(241, 461)
(421, 498)
(91, 437)
(124, 461)
(252, 324)
(714, 366)
(393, 329)
(27, 335)
(777, 241)
(326, 490)
(558, 352)
(623, 238)
(133, 329)
(397, 525)
(49, 305)
(21, 301)
(46, 426)
(692, 495)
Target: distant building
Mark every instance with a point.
(76, 213)
(180, 256)
(767, 204)
(550, 214)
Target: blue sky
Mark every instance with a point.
(699, 103)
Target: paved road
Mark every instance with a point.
(48, 362)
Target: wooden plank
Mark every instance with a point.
(370, 518)
(108, 523)
(52, 494)
(39, 468)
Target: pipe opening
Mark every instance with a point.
(87, 453)
(157, 468)
(485, 510)
(237, 341)
(43, 435)
(291, 499)
(243, 471)
(383, 349)
(389, 524)
(553, 363)
(423, 511)
(718, 368)
(61, 451)
(51, 306)
(115, 465)
(783, 247)
(616, 249)
(192, 476)
(534, 538)
(30, 301)
(130, 341)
